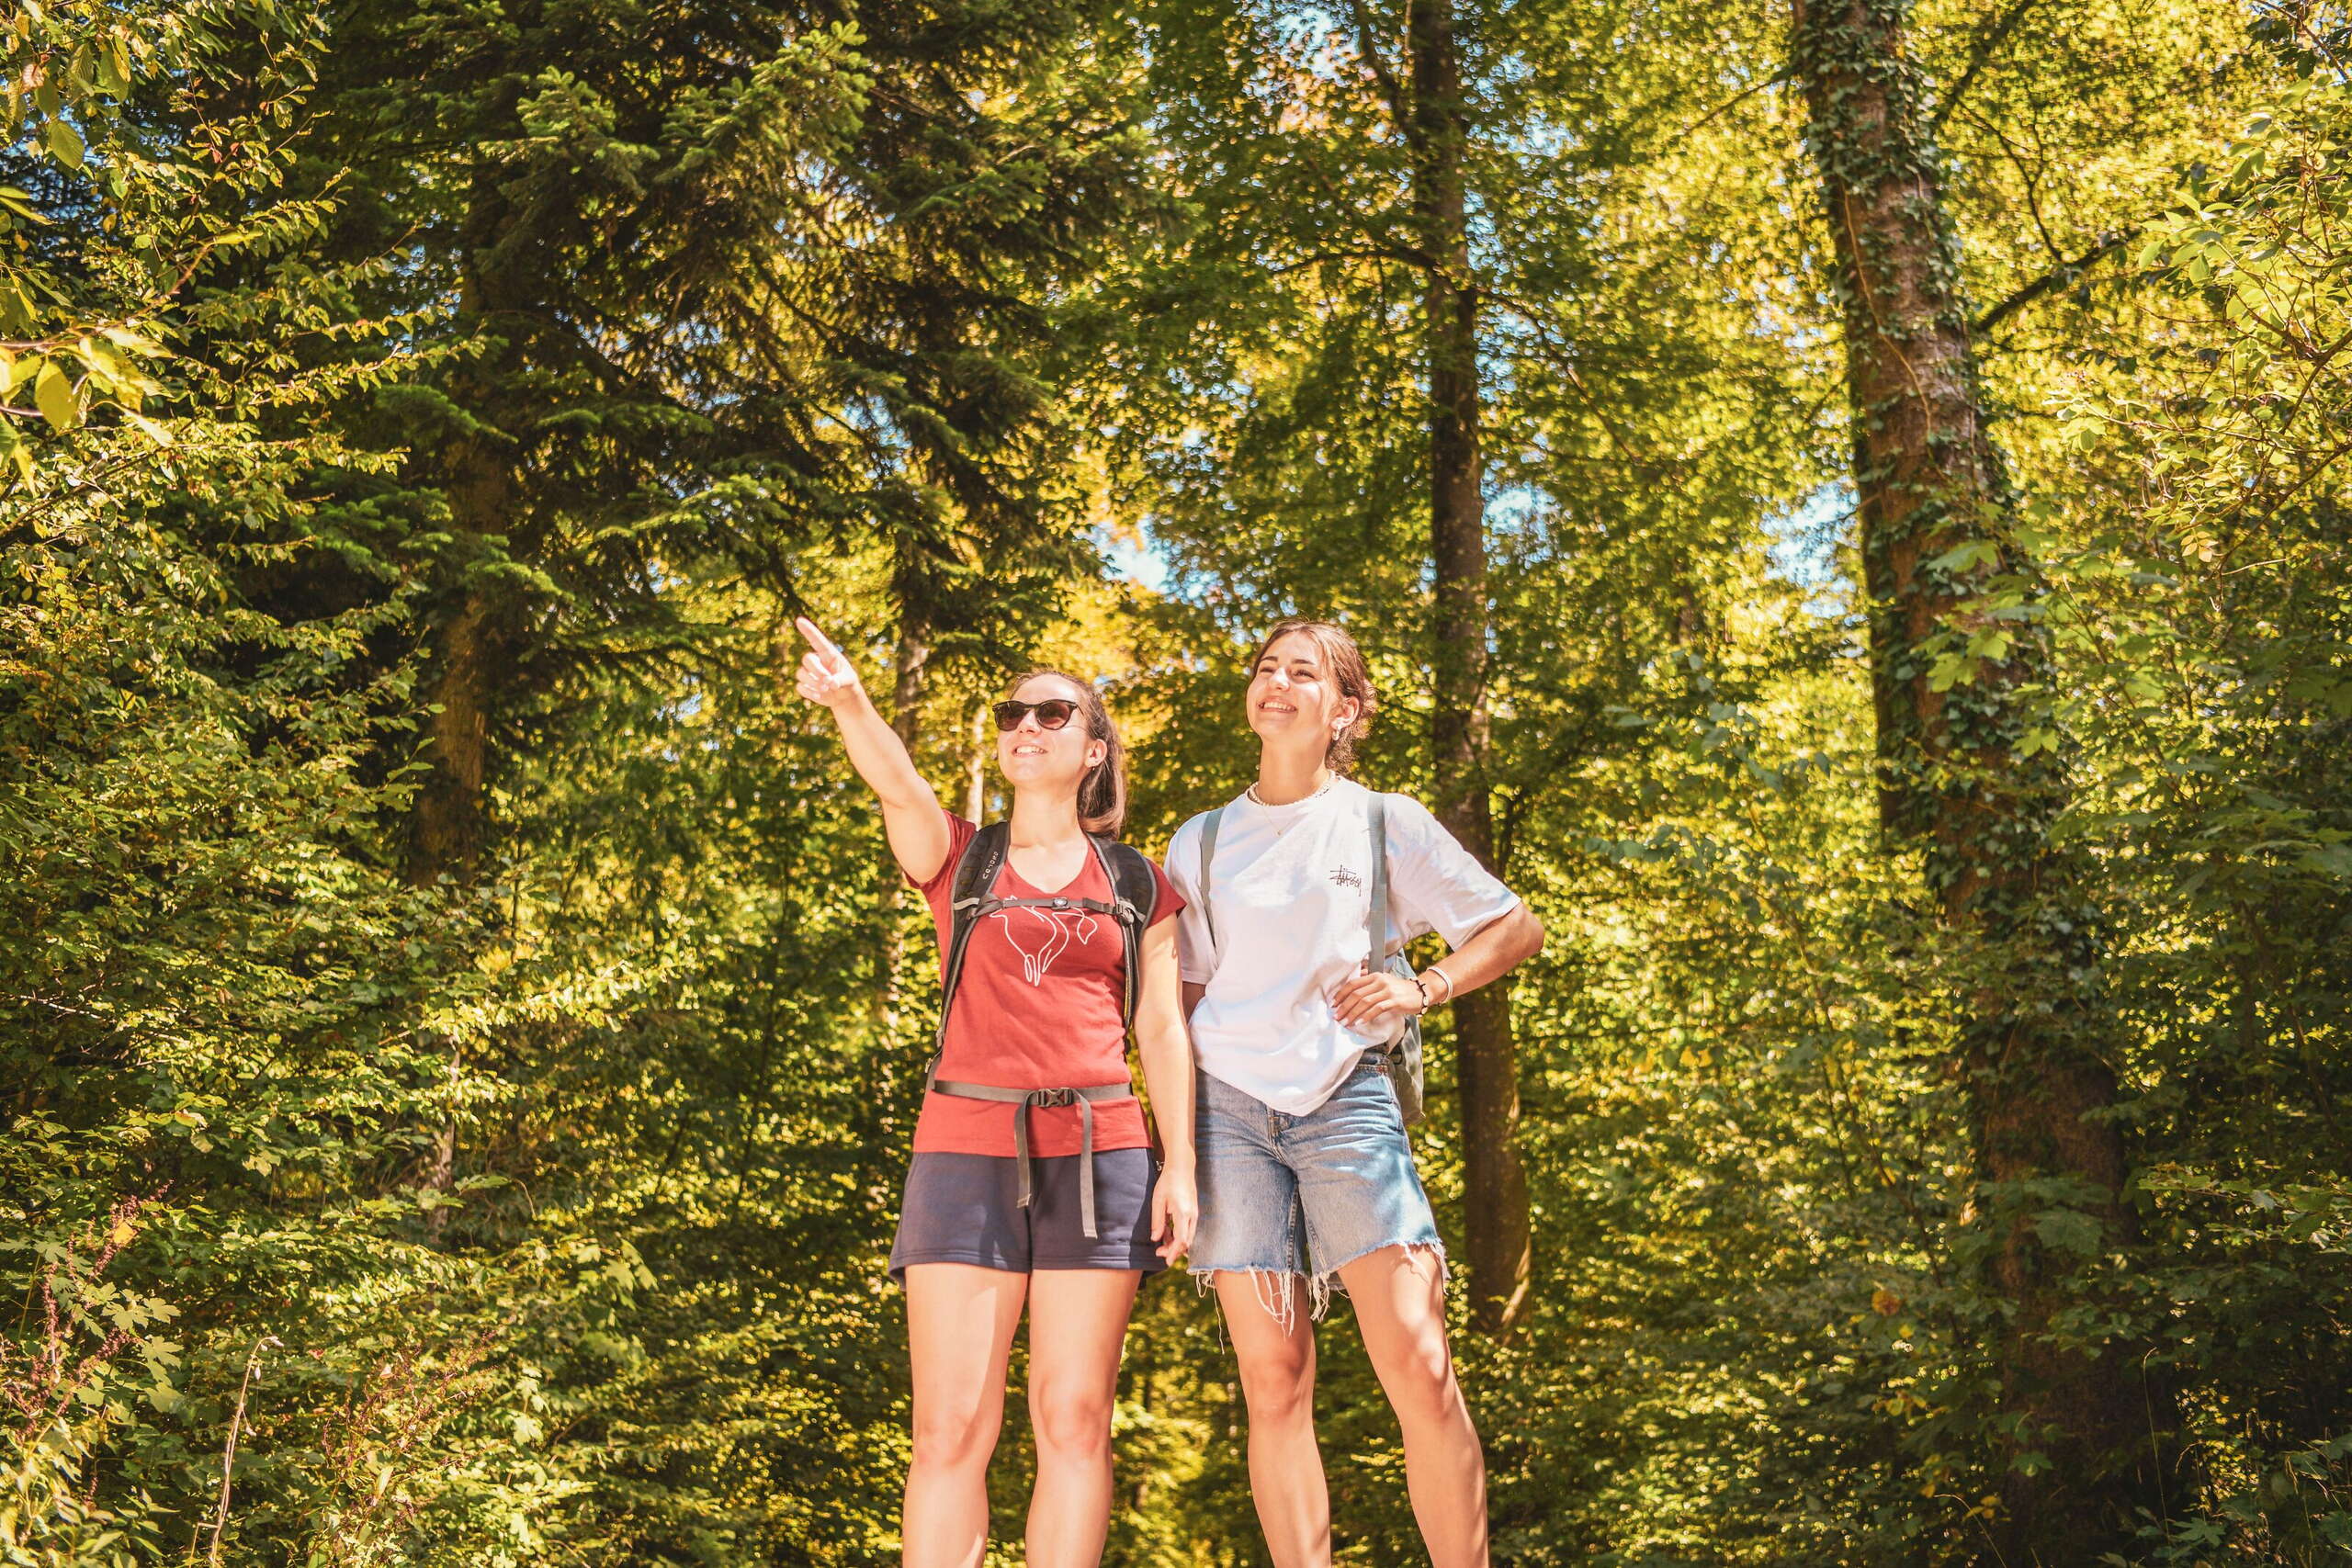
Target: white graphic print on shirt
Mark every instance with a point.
(1057, 933)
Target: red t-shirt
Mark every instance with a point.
(1038, 1007)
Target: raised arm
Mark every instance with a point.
(911, 814)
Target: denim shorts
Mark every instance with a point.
(1286, 1196)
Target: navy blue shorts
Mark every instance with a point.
(967, 1209)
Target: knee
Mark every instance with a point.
(1071, 1423)
(1279, 1388)
(1423, 1388)
(954, 1438)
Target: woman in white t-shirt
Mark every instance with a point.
(1306, 1176)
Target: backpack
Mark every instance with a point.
(1134, 894)
(1401, 1058)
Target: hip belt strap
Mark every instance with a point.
(1083, 1098)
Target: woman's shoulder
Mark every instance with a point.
(1182, 860)
(1395, 805)
(1408, 824)
(961, 831)
(1193, 827)
(1181, 841)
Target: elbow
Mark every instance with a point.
(1167, 1060)
(1531, 934)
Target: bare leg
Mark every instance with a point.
(1078, 1319)
(960, 1321)
(1274, 1341)
(1399, 1298)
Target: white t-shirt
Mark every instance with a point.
(1291, 891)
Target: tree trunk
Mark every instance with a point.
(976, 766)
(882, 1078)
(1495, 1186)
(475, 643)
(906, 686)
(447, 820)
(1960, 780)
(445, 836)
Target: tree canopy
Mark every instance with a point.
(1851, 510)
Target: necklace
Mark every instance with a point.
(1258, 799)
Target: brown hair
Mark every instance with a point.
(1346, 662)
(1103, 792)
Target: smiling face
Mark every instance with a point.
(1295, 699)
(1031, 756)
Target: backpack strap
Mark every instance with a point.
(1209, 821)
(1135, 898)
(1083, 1096)
(1401, 1058)
(976, 874)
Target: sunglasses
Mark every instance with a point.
(1052, 714)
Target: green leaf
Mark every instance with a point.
(65, 143)
(2332, 860)
(2068, 1230)
(1960, 556)
(53, 394)
(1992, 643)
(112, 68)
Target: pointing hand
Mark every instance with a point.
(826, 677)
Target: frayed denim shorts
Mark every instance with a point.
(1285, 1197)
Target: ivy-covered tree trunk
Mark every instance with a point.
(1495, 1185)
(1972, 775)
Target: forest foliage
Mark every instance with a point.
(459, 1032)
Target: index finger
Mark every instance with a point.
(816, 640)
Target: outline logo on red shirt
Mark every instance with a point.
(1057, 934)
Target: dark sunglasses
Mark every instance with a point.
(1052, 714)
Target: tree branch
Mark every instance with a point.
(1977, 58)
(1786, 73)
(1368, 48)
(1394, 253)
(2050, 282)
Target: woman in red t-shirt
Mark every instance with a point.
(1033, 1180)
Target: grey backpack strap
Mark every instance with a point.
(1134, 894)
(1209, 820)
(1402, 1059)
(976, 874)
